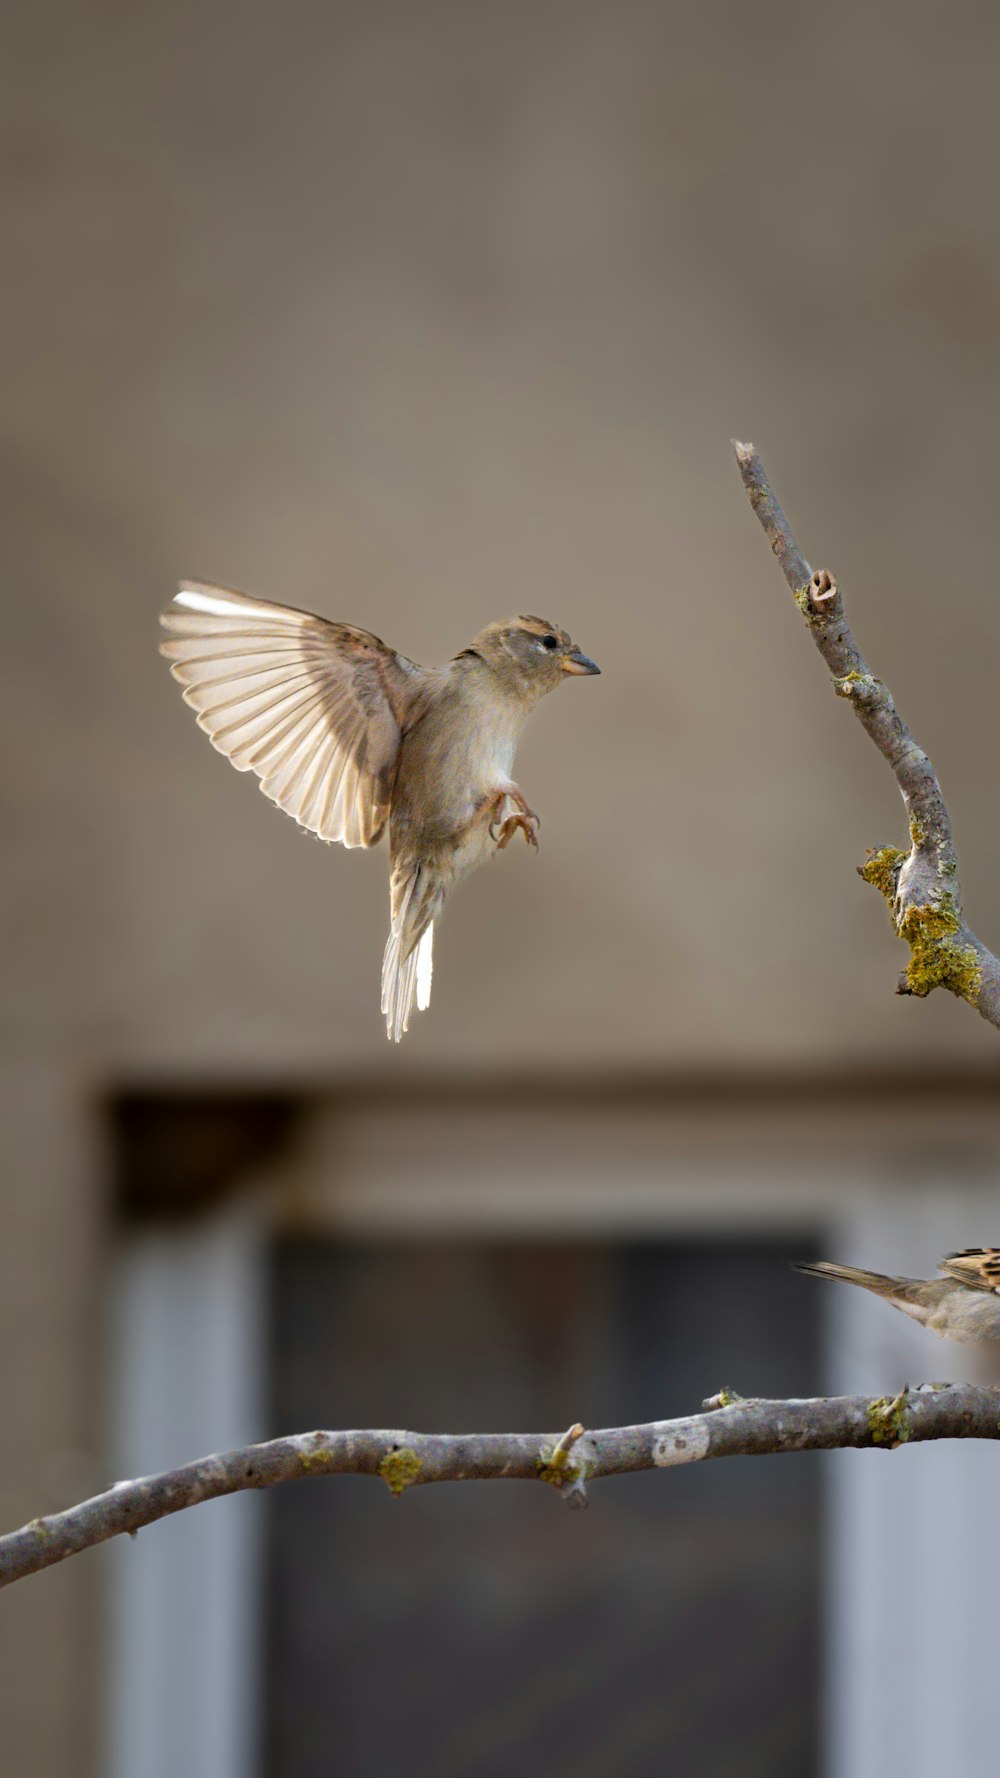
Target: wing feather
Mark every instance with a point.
(979, 1267)
(315, 709)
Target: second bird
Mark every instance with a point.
(346, 735)
(964, 1305)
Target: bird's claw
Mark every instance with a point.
(503, 827)
(528, 823)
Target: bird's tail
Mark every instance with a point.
(896, 1288)
(407, 966)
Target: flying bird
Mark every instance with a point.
(964, 1305)
(347, 736)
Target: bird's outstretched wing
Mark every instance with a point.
(979, 1267)
(316, 709)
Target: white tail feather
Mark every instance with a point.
(405, 979)
(425, 968)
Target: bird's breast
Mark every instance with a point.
(969, 1316)
(449, 763)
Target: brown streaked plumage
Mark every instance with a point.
(964, 1305)
(347, 736)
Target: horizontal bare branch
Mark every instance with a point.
(730, 1427)
(921, 883)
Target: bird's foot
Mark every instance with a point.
(503, 827)
(528, 824)
(514, 796)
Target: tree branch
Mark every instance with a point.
(920, 885)
(731, 1427)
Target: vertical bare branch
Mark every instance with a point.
(920, 883)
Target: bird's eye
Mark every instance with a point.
(550, 642)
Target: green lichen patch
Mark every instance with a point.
(845, 687)
(314, 1462)
(881, 869)
(939, 958)
(888, 1420)
(560, 1469)
(812, 613)
(400, 1468)
(939, 955)
(554, 1470)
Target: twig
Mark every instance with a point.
(921, 884)
(564, 1469)
(406, 1460)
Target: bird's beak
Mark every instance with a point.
(576, 662)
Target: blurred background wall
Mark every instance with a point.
(419, 315)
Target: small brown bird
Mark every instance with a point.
(346, 735)
(963, 1306)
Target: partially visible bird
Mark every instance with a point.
(964, 1305)
(346, 735)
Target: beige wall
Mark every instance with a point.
(421, 314)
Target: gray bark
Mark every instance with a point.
(729, 1427)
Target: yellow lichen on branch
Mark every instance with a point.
(888, 1420)
(881, 869)
(556, 1465)
(921, 885)
(399, 1469)
(939, 958)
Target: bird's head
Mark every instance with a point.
(531, 654)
